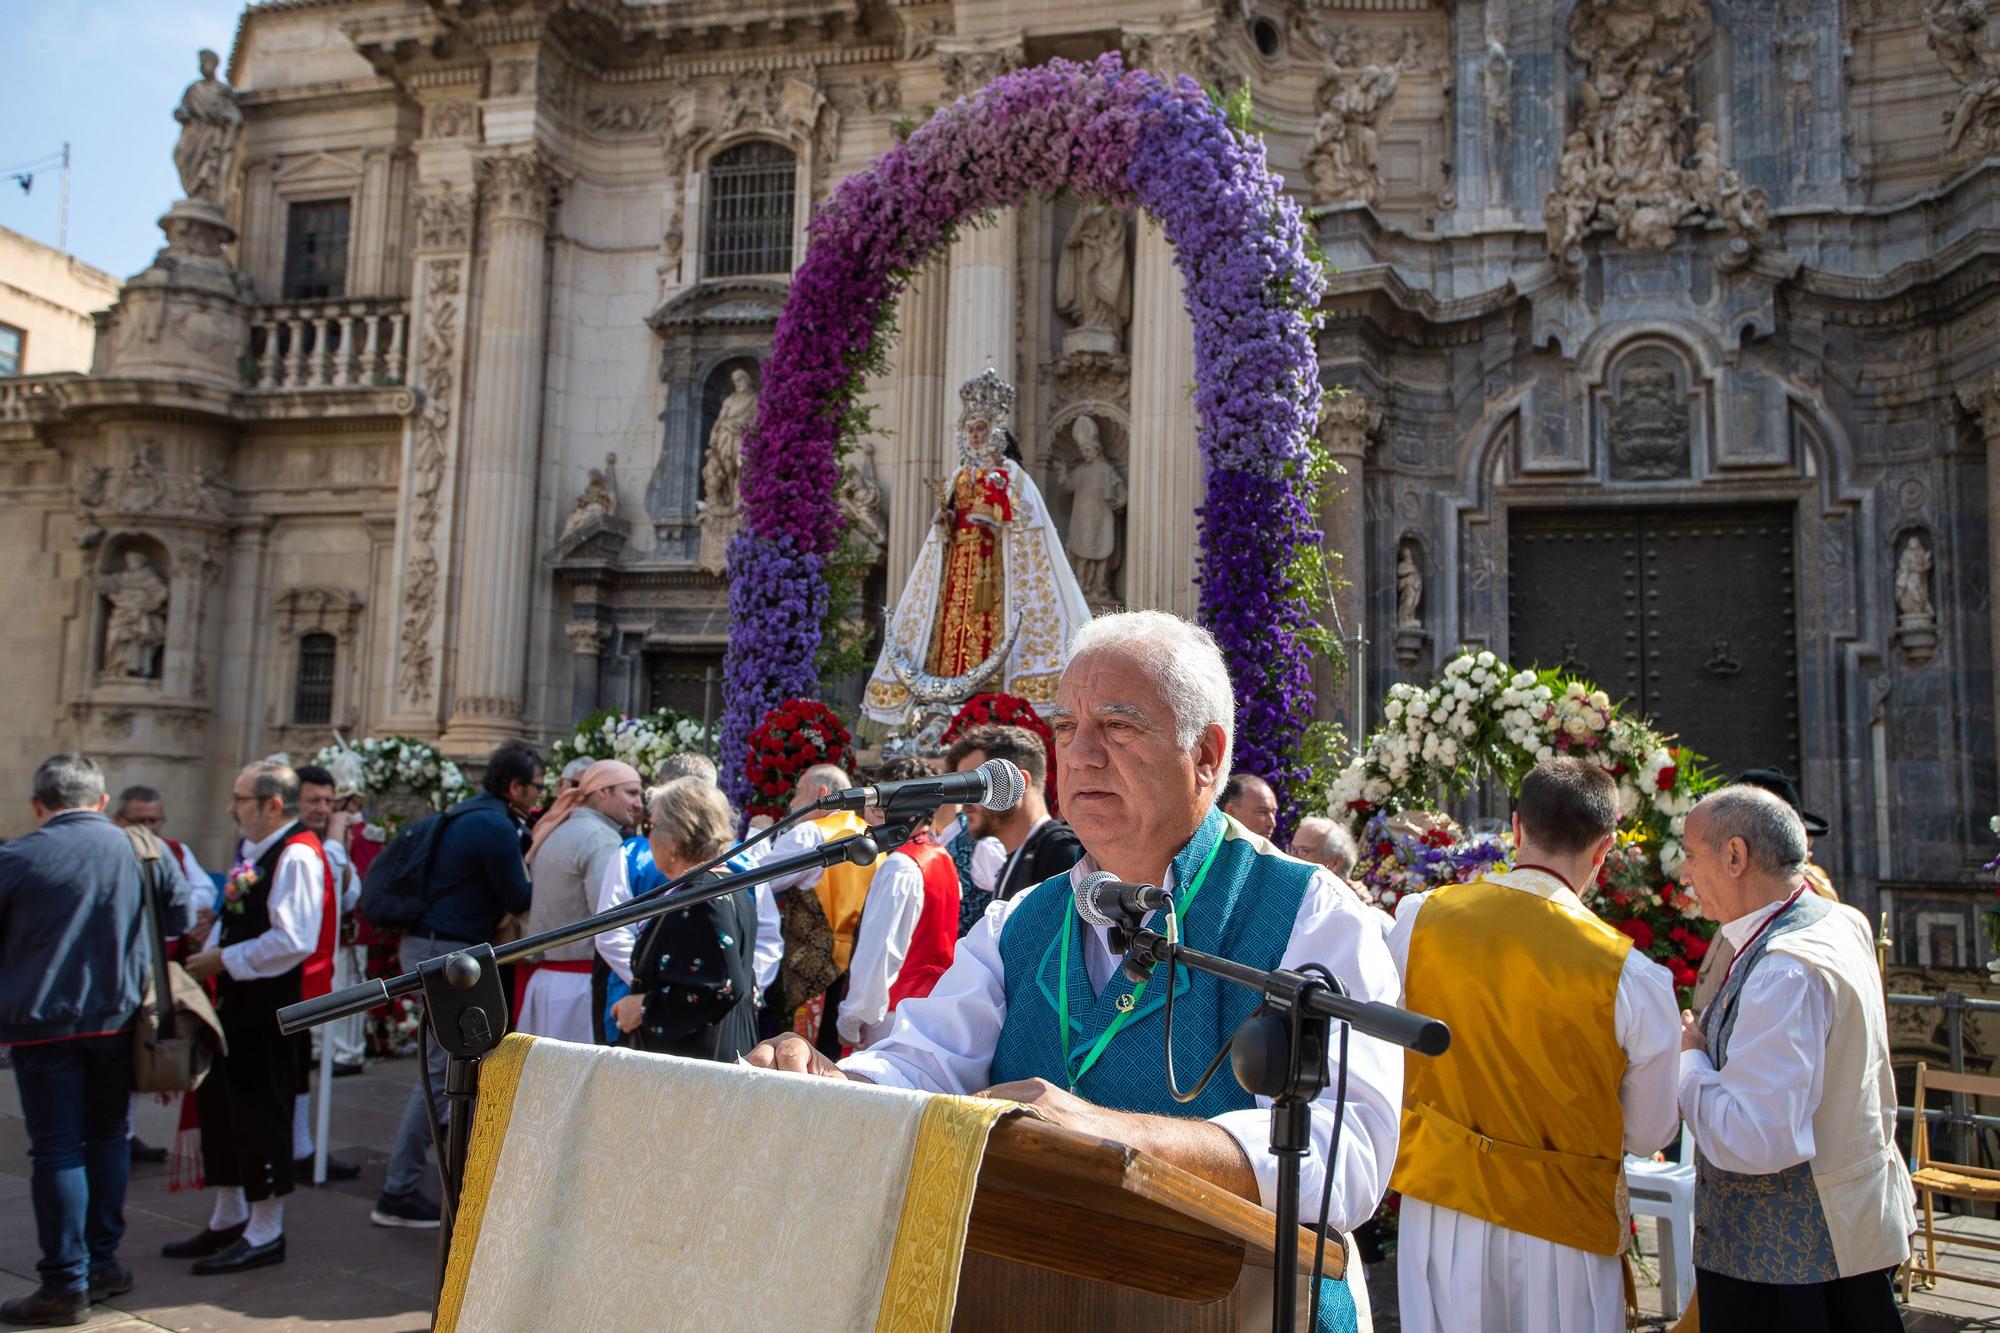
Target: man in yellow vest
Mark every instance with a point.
(821, 911)
(1564, 1042)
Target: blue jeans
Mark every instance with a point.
(413, 1133)
(74, 1098)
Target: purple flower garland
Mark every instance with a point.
(1240, 243)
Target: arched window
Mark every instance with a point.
(312, 695)
(749, 227)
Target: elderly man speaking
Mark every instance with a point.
(1035, 1009)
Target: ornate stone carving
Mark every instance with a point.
(1958, 31)
(881, 94)
(720, 470)
(1496, 87)
(920, 34)
(1409, 588)
(1648, 431)
(613, 117)
(1097, 496)
(1341, 162)
(1092, 377)
(1347, 421)
(1982, 399)
(587, 638)
(451, 120)
(752, 97)
(1094, 281)
(135, 625)
(334, 611)
(1626, 163)
(861, 504)
(146, 486)
(444, 218)
(520, 186)
(210, 118)
(1175, 51)
(967, 70)
(489, 705)
(430, 450)
(677, 141)
(598, 501)
(1913, 584)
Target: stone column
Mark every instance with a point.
(587, 639)
(500, 540)
(1165, 482)
(980, 315)
(1343, 519)
(1983, 399)
(922, 433)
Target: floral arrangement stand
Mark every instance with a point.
(1007, 710)
(1483, 720)
(397, 777)
(644, 742)
(793, 737)
(1252, 289)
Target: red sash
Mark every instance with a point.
(936, 936)
(316, 973)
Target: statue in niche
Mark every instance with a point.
(210, 119)
(861, 504)
(1097, 492)
(136, 627)
(1093, 286)
(1409, 588)
(721, 470)
(599, 499)
(1914, 606)
(1956, 31)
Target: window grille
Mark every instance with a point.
(312, 698)
(316, 250)
(749, 227)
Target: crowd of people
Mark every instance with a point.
(956, 962)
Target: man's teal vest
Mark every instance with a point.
(1244, 911)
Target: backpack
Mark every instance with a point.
(397, 888)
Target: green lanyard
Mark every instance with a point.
(1181, 904)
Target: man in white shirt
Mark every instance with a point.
(910, 926)
(1564, 1041)
(1803, 1205)
(268, 932)
(1144, 718)
(316, 813)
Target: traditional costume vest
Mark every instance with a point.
(248, 915)
(1243, 910)
(1848, 1211)
(1519, 1123)
(936, 936)
(843, 889)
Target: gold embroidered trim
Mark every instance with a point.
(499, 1080)
(921, 1288)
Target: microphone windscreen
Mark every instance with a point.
(1004, 784)
(1086, 897)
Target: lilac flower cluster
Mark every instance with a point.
(1095, 129)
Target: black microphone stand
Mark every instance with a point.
(1280, 1052)
(466, 1007)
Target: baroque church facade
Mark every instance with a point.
(1667, 333)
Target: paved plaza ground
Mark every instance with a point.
(341, 1272)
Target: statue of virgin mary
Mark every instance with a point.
(991, 581)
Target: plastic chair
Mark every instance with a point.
(1664, 1191)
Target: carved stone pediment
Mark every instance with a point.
(727, 303)
(331, 610)
(596, 543)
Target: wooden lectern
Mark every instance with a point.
(1071, 1232)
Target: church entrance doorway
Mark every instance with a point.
(1687, 613)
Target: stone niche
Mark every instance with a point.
(1650, 416)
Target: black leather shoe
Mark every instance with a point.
(302, 1170)
(241, 1256)
(348, 1070)
(202, 1245)
(108, 1280)
(48, 1308)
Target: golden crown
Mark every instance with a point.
(988, 397)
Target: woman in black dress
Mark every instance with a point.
(694, 986)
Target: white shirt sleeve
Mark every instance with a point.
(944, 1043)
(799, 838)
(201, 888)
(1649, 1032)
(346, 884)
(769, 952)
(1754, 1116)
(989, 858)
(615, 947)
(296, 892)
(895, 901)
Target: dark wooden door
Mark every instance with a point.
(1686, 614)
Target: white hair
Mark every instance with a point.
(1183, 660)
(574, 770)
(1772, 832)
(824, 779)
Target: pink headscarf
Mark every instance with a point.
(604, 773)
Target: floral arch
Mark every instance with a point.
(1252, 290)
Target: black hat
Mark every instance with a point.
(1775, 781)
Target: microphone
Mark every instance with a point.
(996, 784)
(1102, 899)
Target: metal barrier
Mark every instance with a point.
(1960, 1118)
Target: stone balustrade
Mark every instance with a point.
(17, 392)
(348, 343)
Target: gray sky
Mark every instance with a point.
(105, 75)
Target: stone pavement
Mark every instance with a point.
(339, 1270)
(342, 1271)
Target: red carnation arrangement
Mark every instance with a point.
(794, 736)
(1007, 710)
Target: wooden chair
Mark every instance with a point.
(1954, 1180)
